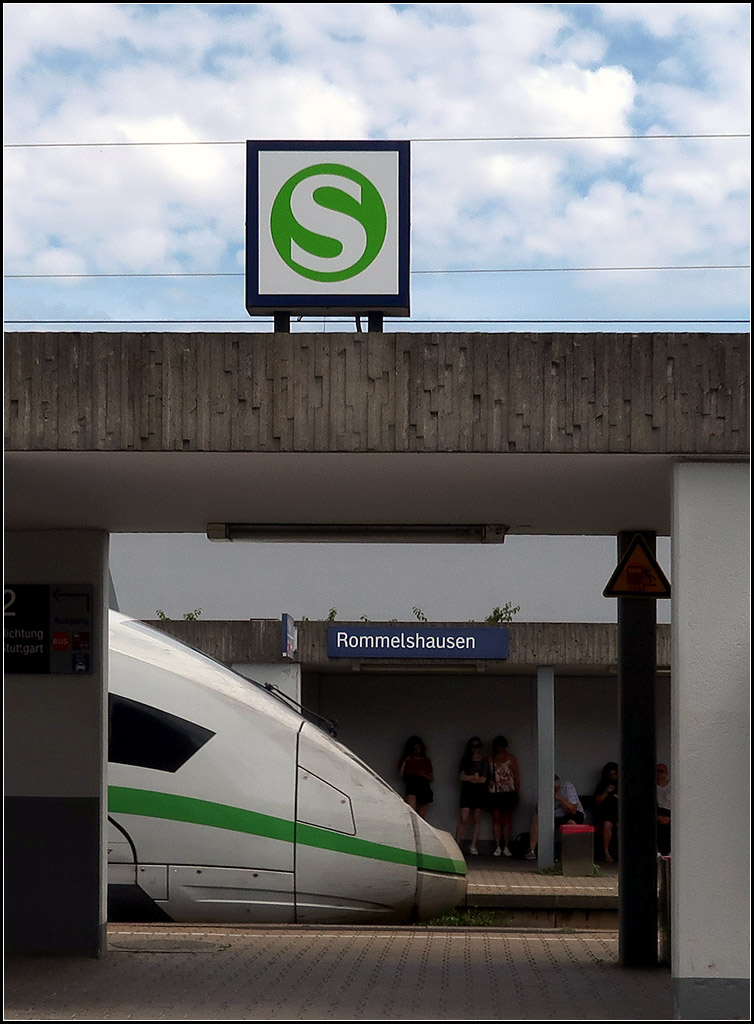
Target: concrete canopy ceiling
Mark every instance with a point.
(182, 492)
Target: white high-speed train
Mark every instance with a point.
(227, 805)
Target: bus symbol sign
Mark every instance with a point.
(60, 641)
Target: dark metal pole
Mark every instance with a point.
(375, 322)
(637, 825)
(282, 323)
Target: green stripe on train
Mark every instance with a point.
(198, 812)
(235, 819)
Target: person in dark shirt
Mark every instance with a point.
(416, 769)
(606, 806)
(474, 773)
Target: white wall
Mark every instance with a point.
(377, 713)
(710, 762)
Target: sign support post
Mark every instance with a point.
(637, 824)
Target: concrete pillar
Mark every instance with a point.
(546, 765)
(55, 745)
(710, 741)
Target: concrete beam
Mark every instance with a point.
(580, 647)
(410, 392)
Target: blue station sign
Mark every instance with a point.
(410, 641)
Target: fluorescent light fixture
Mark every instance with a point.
(361, 533)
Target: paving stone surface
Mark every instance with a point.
(499, 877)
(191, 972)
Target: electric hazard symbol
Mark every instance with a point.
(638, 574)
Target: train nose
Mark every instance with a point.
(441, 874)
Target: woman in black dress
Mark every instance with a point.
(606, 806)
(474, 773)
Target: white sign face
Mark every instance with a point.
(331, 223)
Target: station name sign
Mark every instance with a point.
(407, 641)
(327, 227)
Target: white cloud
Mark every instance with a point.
(667, 19)
(58, 261)
(188, 72)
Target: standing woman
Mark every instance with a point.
(416, 769)
(474, 773)
(503, 786)
(606, 806)
(663, 810)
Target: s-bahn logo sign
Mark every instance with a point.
(327, 227)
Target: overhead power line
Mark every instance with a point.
(477, 270)
(331, 320)
(470, 138)
(587, 270)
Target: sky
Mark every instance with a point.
(550, 579)
(94, 93)
(552, 146)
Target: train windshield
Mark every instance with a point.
(142, 735)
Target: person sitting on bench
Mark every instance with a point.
(568, 809)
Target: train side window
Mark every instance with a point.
(149, 738)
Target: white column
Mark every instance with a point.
(546, 765)
(710, 742)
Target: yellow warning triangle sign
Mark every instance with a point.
(638, 574)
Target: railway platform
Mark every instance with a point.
(195, 972)
(525, 897)
(561, 964)
(544, 971)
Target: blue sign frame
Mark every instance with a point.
(289, 635)
(418, 641)
(258, 302)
